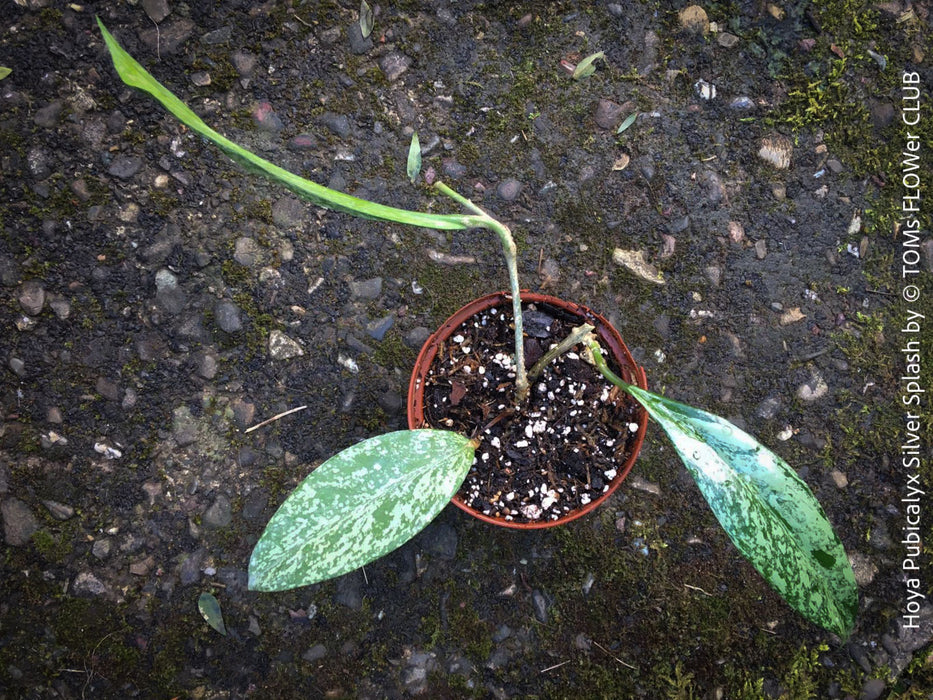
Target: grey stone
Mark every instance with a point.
(539, 605)
(266, 118)
(246, 251)
(102, 548)
(37, 160)
(167, 38)
(289, 212)
(19, 523)
(156, 9)
(508, 190)
(394, 64)
(218, 36)
(318, 651)
(608, 114)
(17, 366)
(125, 167)
(378, 328)
(281, 347)
(87, 585)
(366, 289)
(219, 514)
(207, 366)
(243, 413)
(190, 570)
(31, 297)
(417, 337)
(184, 427)
(339, 124)
(107, 388)
(171, 300)
(873, 689)
(59, 511)
(768, 408)
(47, 117)
(4, 478)
(761, 249)
(227, 316)
(244, 62)
(350, 591)
(358, 44)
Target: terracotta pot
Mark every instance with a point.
(610, 338)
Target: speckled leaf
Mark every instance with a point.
(359, 505)
(586, 67)
(210, 611)
(414, 158)
(134, 75)
(366, 19)
(768, 511)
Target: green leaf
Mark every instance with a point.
(414, 158)
(210, 611)
(136, 76)
(629, 120)
(586, 67)
(358, 506)
(766, 509)
(4, 72)
(366, 19)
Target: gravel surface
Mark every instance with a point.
(156, 301)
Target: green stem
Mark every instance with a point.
(484, 220)
(578, 334)
(598, 361)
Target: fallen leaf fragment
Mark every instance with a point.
(634, 261)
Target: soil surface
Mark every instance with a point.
(564, 447)
(156, 301)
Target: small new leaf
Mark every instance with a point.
(210, 611)
(366, 19)
(414, 158)
(629, 120)
(4, 72)
(587, 67)
(358, 506)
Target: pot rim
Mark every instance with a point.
(631, 372)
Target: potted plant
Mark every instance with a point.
(376, 495)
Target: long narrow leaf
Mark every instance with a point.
(358, 506)
(766, 509)
(134, 75)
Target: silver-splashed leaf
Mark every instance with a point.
(210, 611)
(358, 506)
(414, 158)
(769, 513)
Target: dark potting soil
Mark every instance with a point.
(558, 452)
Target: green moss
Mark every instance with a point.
(392, 352)
(54, 547)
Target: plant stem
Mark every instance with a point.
(484, 220)
(598, 361)
(578, 334)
